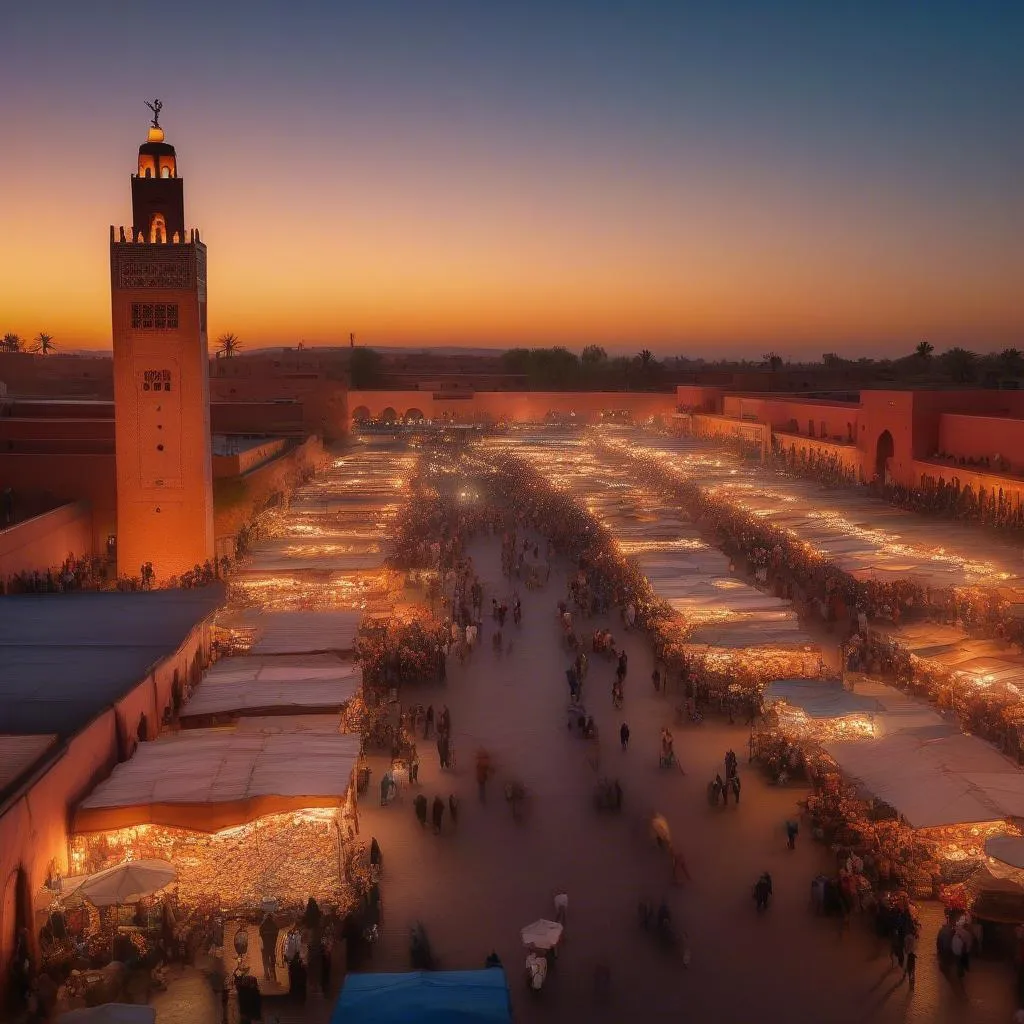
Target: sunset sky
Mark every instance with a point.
(697, 178)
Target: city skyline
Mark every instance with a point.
(693, 182)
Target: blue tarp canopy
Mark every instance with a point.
(425, 997)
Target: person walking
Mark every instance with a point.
(910, 956)
(453, 809)
(414, 768)
(326, 948)
(624, 736)
(723, 789)
(376, 857)
(428, 722)
(438, 814)
(292, 948)
(268, 937)
(735, 783)
(792, 828)
(680, 872)
(420, 806)
(561, 906)
(483, 773)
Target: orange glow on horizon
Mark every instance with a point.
(624, 257)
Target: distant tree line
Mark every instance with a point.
(558, 369)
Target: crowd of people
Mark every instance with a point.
(949, 499)
(787, 566)
(828, 468)
(81, 572)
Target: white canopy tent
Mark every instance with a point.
(298, 632)
(289, 555)
(210, 779)
(1005, 855)
(274, 685)
(934, 776)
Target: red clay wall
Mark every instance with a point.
(59, 479)
(58, 375)
(848, 454)
(59, 429)
(1012, 487)
(255, 418)
(45, 541)
(699, 398)
(975, 436)
(249, 459)
(322, 404)
(829, 419)
(523, 406)
(236, 500)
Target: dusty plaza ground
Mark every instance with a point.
(476, 886)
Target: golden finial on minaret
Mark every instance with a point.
(156, 133)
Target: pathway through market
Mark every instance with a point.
(476, 885)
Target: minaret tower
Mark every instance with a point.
(161, 374)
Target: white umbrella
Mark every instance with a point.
(110, 1013)
(1006, 857)
(542, 934)
(127, 883)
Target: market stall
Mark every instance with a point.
(980, 680)
(272, 685)
(294, 632)
(326, 548)
(263, 810)
(934, 776)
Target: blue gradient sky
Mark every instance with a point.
(696, 178)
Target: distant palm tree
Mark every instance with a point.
(960, 363)
(11, 342)
(1011, 362)
(43, 343)
(774, 361)
(924, 350)
(228, 345)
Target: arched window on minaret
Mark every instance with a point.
(158, 228)
(165, 171)
(149, 172)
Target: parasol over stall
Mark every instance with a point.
(127, 883)
(1005, 857)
